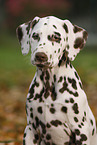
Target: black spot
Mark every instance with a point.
(54, 78)
(60, 79)
(31, 109)
(64, 78)
(31, 115)
(71, 100)
(64, 59)
(24, 142)
(48, 136)
(80, 84)
(65, 27)
(52, 110)
(31, 91)
(66, 39)
(64, 109)
(83, 137)
(54, 26)
(73, 138)
(66, 132)
(76, 75)
(79, 43)
(42, 76)
(29, 128)
(53, 92)
(36, 84)
(56, 123)
(93, 131)
(79, 126)
(83, 119)
(46, 94)
(58, 50)
(65, 125)
(28, 27)
(75, 119)
(73, 82)
(33, 125)
(78, 142)
(45, 23)
(91, 121)
(47, 76)
(52, 43)
(75, 108)
(40, 110)
(48, 125)
(64, 88)
(77, 132)
(70, 65)
(67, 47)
(47, 143)
(40, 44)
(77, 29)
(24, 134)
(52, 105)
(85, 35)
(37, 122)
(34, 141)
(57, 33)
(50, 56)
(19, 33)
(85, 113)
(82, 124)
(43, 127)
(36, 136)
(66, 101)
(34, 23)
(49, 38)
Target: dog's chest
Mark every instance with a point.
(49, 95)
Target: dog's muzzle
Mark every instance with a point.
(41, 60)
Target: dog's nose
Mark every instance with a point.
(41, 56)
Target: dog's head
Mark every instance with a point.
(49, 38)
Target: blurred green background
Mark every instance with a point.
(16, 71)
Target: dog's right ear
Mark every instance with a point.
(24, 32)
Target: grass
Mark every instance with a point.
(16, 70)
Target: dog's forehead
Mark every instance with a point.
(50, 22)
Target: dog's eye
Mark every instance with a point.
(55, 38)
(35, 36)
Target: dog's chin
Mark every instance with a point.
(42, 65)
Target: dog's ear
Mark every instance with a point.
(75, 39)
(24, 32)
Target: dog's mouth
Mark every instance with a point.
(42, 65)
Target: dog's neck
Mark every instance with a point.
(51, 74)
(49, 80)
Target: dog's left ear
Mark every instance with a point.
(24, 32)
(75, 39)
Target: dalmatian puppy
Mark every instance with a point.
(57, 108)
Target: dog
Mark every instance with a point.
(57, 108)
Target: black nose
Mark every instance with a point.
(41, 57)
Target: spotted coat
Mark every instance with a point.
(57, 108)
